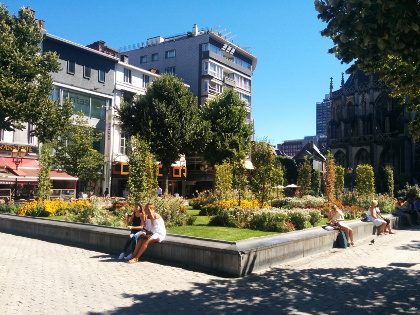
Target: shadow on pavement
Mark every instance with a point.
(363, 290)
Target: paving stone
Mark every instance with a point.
(46, 278)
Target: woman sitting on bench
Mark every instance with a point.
(336, 217)
(372, 216)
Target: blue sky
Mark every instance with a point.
(293, 70)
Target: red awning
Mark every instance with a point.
(27, 171)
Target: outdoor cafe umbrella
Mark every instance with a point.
(292, 186)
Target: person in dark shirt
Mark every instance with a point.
(135, 223)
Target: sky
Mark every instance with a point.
(293, 70)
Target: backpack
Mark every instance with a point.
(341, 240)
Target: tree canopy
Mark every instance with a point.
(25, 81)
(75, 153)
(380, 36)
(166, 118)
(230, 134)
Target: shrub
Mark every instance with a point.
(7, 208)
(315, 217)
(409, 192)
(365, 180)
(223, 218)
(299, 219)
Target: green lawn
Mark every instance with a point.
(217, 232)
(203, 230)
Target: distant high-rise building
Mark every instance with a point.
(323, 111)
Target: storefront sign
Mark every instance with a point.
(11, 147)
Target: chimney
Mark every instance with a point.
(195, 30)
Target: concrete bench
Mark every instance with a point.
(232, 259)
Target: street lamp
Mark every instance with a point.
(17, 156)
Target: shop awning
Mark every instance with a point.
(27, 171)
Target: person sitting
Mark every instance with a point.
(408, 207)
(336, 218)
(156, 232)
(136, 224)
(388, 225)
(399, 211)
(372, 216)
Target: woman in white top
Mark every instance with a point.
(156, 232)
(372, 216)
(336, 217)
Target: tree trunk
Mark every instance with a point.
(165, 179)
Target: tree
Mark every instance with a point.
(329, 178)
(166, 118)
(339, 181)
(142, 179)
(389, 174)
(380, 37)
(46, 162)
(75, 153)
(263, 159)
(365, 179)
(304, 177)
(223, 178)
(25, 80)
(229, 135)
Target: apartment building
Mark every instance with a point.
(206, 61)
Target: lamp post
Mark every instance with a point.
(17, 157)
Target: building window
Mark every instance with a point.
(71, 67)
(213, 70)
(170, 54)
(155, 57)
(123, 144)
(143, 59)
(101, 76)
(127, 75)
(146, 80)
(87, 72)
(170, 70)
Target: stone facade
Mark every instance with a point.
(368, 127)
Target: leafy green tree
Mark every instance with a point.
(46, 162)
(229, 135)
(75, 153)
(380, 37)
(25, 80)
(142, 179)
(304, 177)
(239, 179)
(339, 181)
(365, 179)
(166, 118)
(316, 182)
(389, 174)
(223, 178)
(263, 159)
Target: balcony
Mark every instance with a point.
(230, 81)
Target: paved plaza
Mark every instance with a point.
(38, 277)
